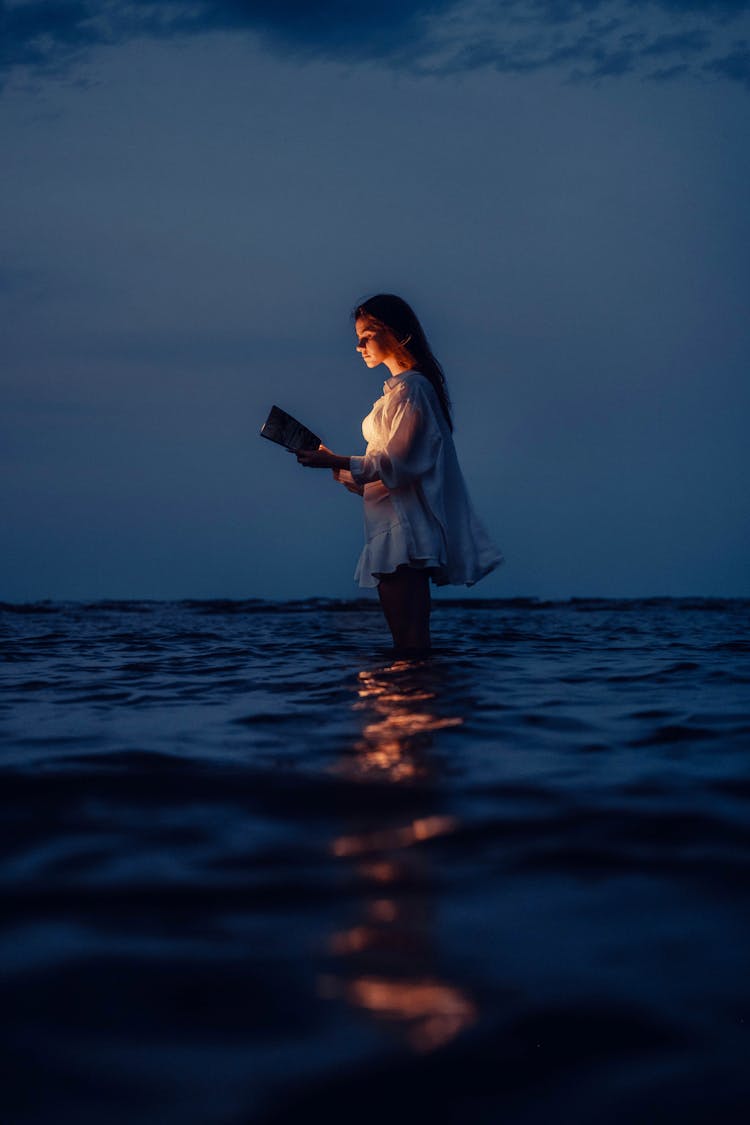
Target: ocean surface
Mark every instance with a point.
(254, 869)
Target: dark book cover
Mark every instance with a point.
(287, 431)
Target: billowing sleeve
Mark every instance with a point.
(407, 448)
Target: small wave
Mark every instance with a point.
(31, 608)
(651, 713)
(674, 732)
(562, 723)
(676, 669)
(520, 1065)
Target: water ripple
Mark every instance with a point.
(254, 867)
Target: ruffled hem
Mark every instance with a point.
(388, 550)
(385, 553)
(482, 565)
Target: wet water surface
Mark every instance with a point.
(254, 868)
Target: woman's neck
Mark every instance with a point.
(396, 367)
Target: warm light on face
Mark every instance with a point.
(374, 343)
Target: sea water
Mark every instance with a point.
(255, 869)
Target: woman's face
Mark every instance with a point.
(374, 343)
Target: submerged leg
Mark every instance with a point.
(405, 598)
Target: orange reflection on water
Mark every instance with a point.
(433, 1013)
(385, 956)
(387, 838)
(400, 724)
(352, 941)
(383, 910)
(379, 871)
(383, 744)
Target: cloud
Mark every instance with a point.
(590, 39)
(44, 36)
(581, 39)
(735, 65)
(686, 43)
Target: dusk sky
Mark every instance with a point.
(194, 196)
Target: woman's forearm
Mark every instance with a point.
(322, 458)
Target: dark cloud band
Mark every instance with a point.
(584, 39)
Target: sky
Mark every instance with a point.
(195, 195)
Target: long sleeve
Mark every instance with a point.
(406, 446)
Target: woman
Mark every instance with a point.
(419, 522)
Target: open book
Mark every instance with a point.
(287, 431)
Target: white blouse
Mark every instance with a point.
(416, 506)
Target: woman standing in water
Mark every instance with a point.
(419, 521)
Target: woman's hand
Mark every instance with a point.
(343, 476)
(320, 458)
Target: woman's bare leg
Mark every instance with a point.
(405, 598)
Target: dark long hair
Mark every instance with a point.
(399, 318)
